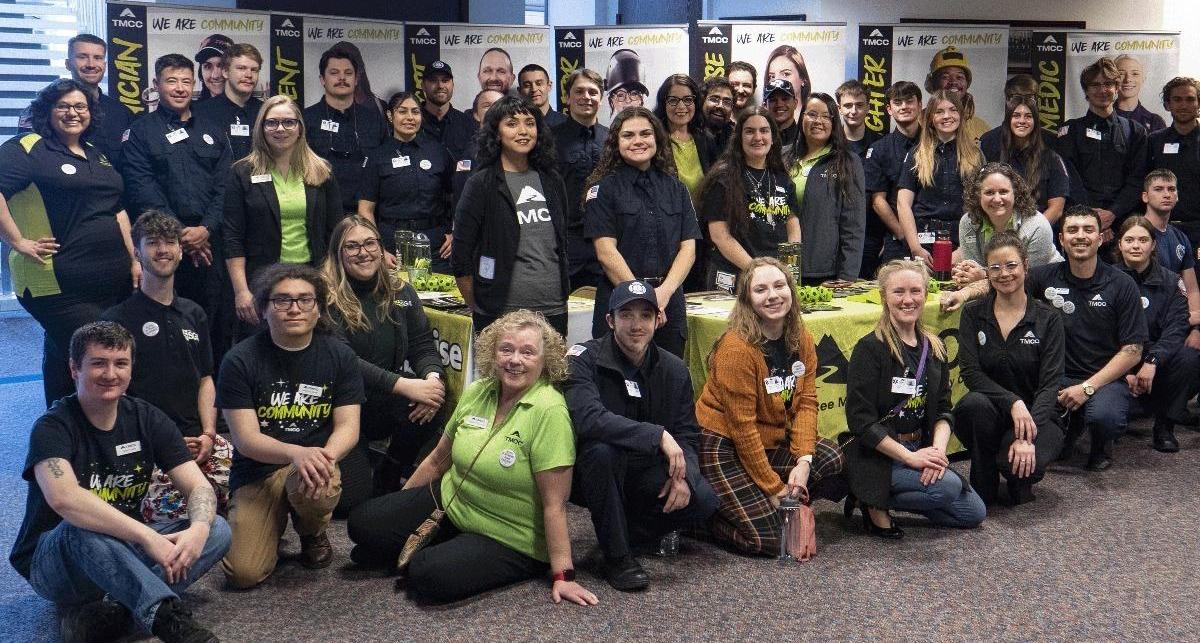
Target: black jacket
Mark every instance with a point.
(602, 410)
(1166, 310)
(868, 400)
(485, 225)
(252, 222)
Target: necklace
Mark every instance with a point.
(757, 183)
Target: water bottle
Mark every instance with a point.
(789, 254)
(403, 239)
(669, 545)
(420, 257)
(789, 508)
(942, 252)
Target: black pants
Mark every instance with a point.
(408, 443)
(988, 433)
(894, 248)
(59, 316)
(454, 566)
(621, 489)
(557, 322)
(672, 337)
(872, 243)
(1174, 384)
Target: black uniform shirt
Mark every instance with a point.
(1109, 155)
(944, 199)
(235, 120)
(1100, 315)
(884, 162)
(172, 354)
(860, 147)
(455, 130)
(554, 118)
(111, 122)
(578, 150)
(1165, 306)
(360, 130)
(648, 213)
(1180, 153)
(410, 184)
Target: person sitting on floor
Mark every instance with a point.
(83, 543)
(501, 472)
(291, 394)
(898, 412)
(636, 467)
(173, 363)
(758, 414)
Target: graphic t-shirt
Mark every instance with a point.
(784, 367)
(293, 393)
(115, 465)
(911, 417)
(535, 270)
(770, 201)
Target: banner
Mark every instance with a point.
(381, 45)
(633, 61)
(1146, 60)
(286, 60)
(479, 55)
(452, 338)
(890, 53)
(154, 31)
(819, 59)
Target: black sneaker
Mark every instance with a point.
(102, 620)
(173, 623)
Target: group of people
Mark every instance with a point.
(225, 336)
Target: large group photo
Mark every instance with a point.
(334, 328)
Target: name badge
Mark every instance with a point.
(477, 422)
(924, 238)
(632, 389)
(236, 129)
(401, 161)
(773, 384)
(330, 125)
(1094, 133)
(1170, 148)
(904, 385)
(129, 447)
(260, 178)
(725, 280)
(309, 390)
(174, 136)
(487, 267)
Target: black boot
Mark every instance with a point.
(174, 623)
(1164, 437)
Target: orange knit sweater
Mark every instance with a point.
(735, 404)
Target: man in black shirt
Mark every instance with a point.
(341, 130)
(534, 84)
(579, 142)
(235, 109)
(83, 537)
(173, 362)
(636, 466)
(1105, 328)
(882, 166)
(291, 396)
(1177, 148)
(439, 119)
(780, 98)
(851, 99)
(716, 98)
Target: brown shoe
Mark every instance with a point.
(315, 551)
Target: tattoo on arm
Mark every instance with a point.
(1134, 349)
(55, 467)
(202, 504)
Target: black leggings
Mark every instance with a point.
(987, 432)
(455, 565)
(59, 316)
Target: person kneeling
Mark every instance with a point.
(91, 458)
(898, 410)
(758, 413)
(636, 467)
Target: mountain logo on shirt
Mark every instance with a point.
(529, 194)
(515, 438)
(1030, 339)
(1098, 302)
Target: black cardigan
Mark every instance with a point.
(252, 226)
(868, 400)
(485, 224)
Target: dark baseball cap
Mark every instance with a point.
(778, 85)
(439, 67)
(214, 45)
(628, 291)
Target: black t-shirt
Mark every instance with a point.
(172, 353)
(859, 148)
(911, 417)
(770, 200)
(115, 465)
(293, 393)
(1100, 315)
(782, 368)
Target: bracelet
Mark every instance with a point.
(566, 575)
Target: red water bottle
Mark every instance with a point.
(942, 251)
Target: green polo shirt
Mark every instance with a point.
(293, 216)
(800, 170)
(499, 498)
(687, 164)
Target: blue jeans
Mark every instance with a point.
(73, 566)
(1105, 415)
(947, 503)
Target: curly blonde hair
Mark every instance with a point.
(554, 347)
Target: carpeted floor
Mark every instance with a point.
(1097, 557)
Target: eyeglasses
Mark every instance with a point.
(1108, 84)
(354, 248)
(717, 100)
(272, 124)
(305, 303)
(674, 101)
(813, 116)
(78, 108)
(996, 269)
(623, 95)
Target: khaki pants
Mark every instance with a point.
(258, 515)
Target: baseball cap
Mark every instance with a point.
(633, 290)
(439, 67)
(214, 45)
(778, 85)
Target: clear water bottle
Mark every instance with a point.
(669, 545)
(403, 240)
(789, 508)
(420, 258)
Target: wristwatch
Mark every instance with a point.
(567, 575)
(1088, 389)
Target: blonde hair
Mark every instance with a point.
(745, 322)
(343, 303)
(969, 156)
(885, 329)
(314, 169)
(554, 347)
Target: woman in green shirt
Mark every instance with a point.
(281, 203)
(501, 471)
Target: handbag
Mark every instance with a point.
(431, 525)
(803, 542)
